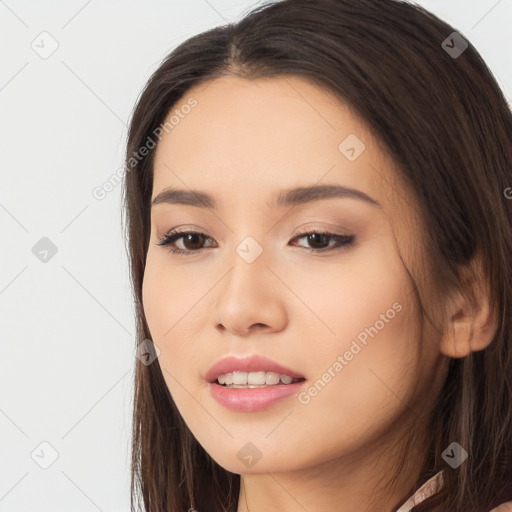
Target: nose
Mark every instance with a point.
(251, 298)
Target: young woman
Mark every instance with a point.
(318, 208)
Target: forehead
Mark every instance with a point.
(257, 136)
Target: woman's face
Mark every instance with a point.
(345, 317)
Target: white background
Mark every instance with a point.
(67, 330)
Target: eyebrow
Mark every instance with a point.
(291, 197)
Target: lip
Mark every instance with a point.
(254, 363)
(252, 399)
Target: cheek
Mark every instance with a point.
(160, 296)
(169, 301)
(366, 296)
(367, 352)
(154, 296)
(360, 390)
(167, 295)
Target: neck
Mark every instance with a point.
(359, 480)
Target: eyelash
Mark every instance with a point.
(344, 241)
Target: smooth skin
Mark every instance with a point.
(244, 142)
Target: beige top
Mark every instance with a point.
(433, 485)
(429, 488)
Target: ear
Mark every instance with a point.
(470, 323)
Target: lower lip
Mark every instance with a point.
(252, 399)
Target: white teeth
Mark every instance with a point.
(286, 379)
(254, 379)
(240, 378)
(257, 378)
(272, 378)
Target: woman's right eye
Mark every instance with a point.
(169, 239)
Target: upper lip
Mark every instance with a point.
(253, 363)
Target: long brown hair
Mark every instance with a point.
(448, 127)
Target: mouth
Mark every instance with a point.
(250, 373)
(246, 392)
(251, 380)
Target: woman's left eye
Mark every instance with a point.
(315, 237)
(194, 237)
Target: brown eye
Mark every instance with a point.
(319, 242)
(192, 242)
